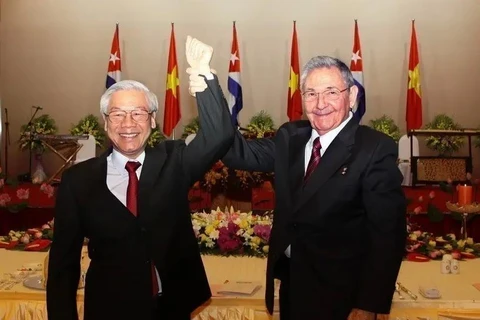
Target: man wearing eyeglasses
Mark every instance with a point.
(132, 205)
(339, 225)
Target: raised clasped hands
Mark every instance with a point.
(199, 56)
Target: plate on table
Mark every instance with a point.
(34, 282)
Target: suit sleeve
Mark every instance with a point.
(251, 155)
(64, 257)
(385, 206)
(215, 133)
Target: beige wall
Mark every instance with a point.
(54, 52)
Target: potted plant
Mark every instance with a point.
(156, 136)
(261, 125)
(43, 125)
(444, 145)
(386, 125)
(91, 126)
(191, 127)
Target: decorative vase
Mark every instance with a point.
(38, 176)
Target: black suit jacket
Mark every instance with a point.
(121, 246)
(346, 225)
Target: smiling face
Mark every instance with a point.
(128, 136)
(333, 99)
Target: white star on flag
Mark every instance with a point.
(356, 56)
(114, 57)
(234, 57)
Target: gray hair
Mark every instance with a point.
(125, 85)
(320, 62)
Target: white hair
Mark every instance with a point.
(128, 85)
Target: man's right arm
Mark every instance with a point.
(64, 256)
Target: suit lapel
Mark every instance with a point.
(337, 154)
(154, 161)
(297, 160)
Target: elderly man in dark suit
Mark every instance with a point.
(339, 226)
(132, 205)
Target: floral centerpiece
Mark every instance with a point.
(424, 246)
(35, 239)
(386, 125)
(232, 232)
(90, 125)
(444, 145)
(41, 125)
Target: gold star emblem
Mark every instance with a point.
(414, 80)
(172, 81)
(293, 82)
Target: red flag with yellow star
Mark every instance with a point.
(294, 110)
(414, 96)
(172, 115)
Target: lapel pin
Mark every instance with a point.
(344, 170)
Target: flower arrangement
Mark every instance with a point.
(34, 239)
(90, 125)
(156, 136)
(232, 232)
(261, 125)
(217, 176)
(246, 179)
(41, 125)
(444, 145)
(386, 125)
(428, 246)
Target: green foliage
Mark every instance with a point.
(260, 124)
(386, 125)
(41, 125)
(191, 128)
(476, 140)
(156, 136)
(90, 125)
(444, 145)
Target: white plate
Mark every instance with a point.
(34, 282)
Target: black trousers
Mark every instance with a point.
(163, 311)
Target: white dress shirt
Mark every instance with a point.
(325, 141)
(117, 181)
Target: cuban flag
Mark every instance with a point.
(235, 99)
(356, 66)
(114, 73)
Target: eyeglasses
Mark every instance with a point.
(120, 115)
(329, 95)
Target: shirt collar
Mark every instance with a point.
(327, 138)
(119, 161)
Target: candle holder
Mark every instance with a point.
(465, 211)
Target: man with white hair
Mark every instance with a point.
(132, 205)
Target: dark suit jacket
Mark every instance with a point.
(346, 225)
(121, 247)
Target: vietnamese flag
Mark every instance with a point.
(172, 115)
(414, 96)
(294, 110)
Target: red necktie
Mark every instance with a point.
(132, 192)
(314, 158)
